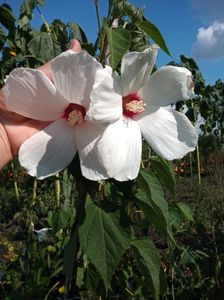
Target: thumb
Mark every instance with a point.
(46, 68)
(75, 45)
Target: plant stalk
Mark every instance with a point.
(198, 165)
(80, 209)
(96, 2)
(57, 191)
(34, 190)
(15, 183)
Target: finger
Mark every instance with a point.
(74, 45)
(46, 69)
(2, 99)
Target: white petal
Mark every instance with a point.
(87, 136)
(120, 149)
(135, 68)
(167, 85)
(31, 94)
(170, 133)
(106, 100)
(74, 75)
(49, 151)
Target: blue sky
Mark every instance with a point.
(191, 27)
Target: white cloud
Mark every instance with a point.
(210, 42)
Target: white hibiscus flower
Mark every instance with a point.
(140, 107)
(65, 103)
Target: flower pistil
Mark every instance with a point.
(133, 105)
(75, 114)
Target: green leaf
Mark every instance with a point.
(76, 32)
(139, 41)
(148, 261)
(67, 184)
(69, 257)
(24, 20)
(154, 206)
(28, 6)
(152, 31)
(119, 40)
(186, 211)
(6, 66)
(152, 215)
(2, 38)
(60, 219)
(7, 19)
(41, 2)
(43, 47)
(91, 278)
(57, 30)
(26, 12)
(165, 172)
(104, 237)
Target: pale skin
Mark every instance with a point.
(16, 129)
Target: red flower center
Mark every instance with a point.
(75, 114)
(133, 105)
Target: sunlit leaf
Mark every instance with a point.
(148, 260)
(76, 32)
(26, 11)
(155, 206)
(60, 219)
(91, 278)
(132, 11)
(2, 38)
(43, 47)
(104, 237)
(154, 33)
(138, 41)
(165, 172)
(58, 31)
(67, 184)
(186, 210)
(6, 65)
(152, 214)
(119, 40)
(7, 18)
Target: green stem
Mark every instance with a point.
(198, 165)
(197, 151)
(15, 183)
(34, 190)
(72, 249)
(96, 2)
(101, 40)
(57, 191)
(191, 169)
(80, 209)
(43, 19)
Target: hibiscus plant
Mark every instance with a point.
(113, 130)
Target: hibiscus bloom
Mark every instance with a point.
(140, 107)
(64, 104)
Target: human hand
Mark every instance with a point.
(16, 129)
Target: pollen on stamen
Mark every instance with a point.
(75, 117)
(135, 106)
(74, 114)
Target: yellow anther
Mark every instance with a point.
(135, 106)
(75, 117)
